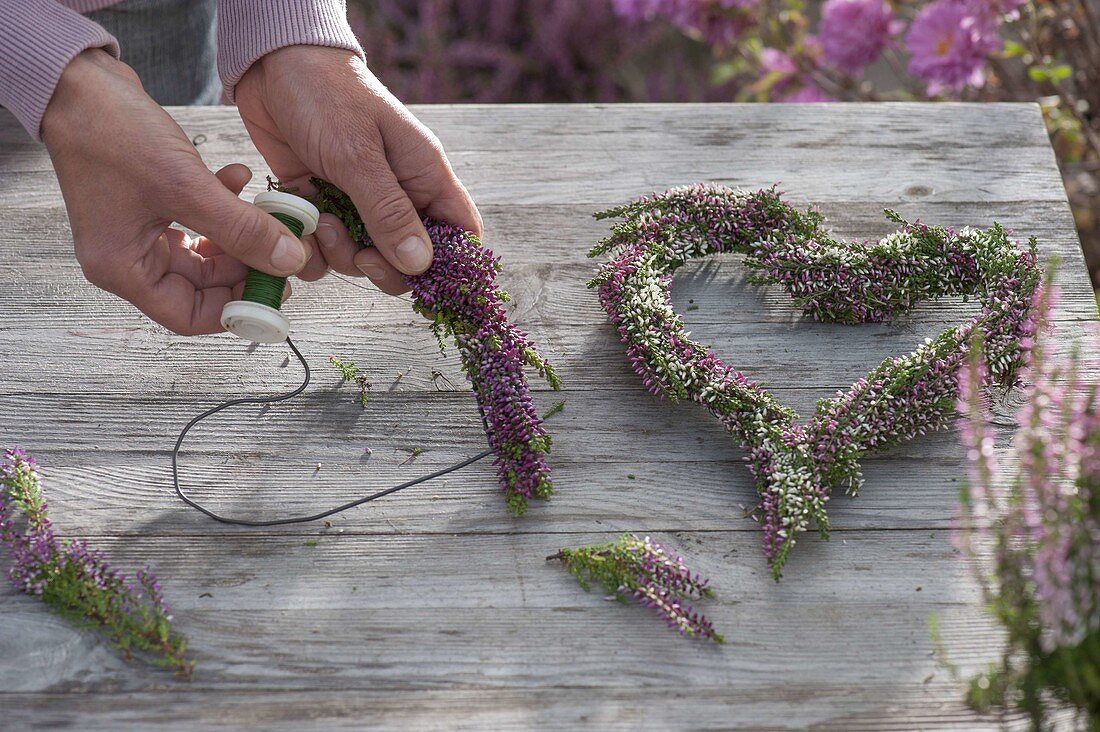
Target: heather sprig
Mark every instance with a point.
(458, 292)
(78, 582)
(646, 571)
(350, 372)
(1034, 533)
(796, 466)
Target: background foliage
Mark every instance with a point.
(757, 50)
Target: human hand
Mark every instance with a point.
(127, 171)
(317, 111)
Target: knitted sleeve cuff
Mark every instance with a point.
(249, 29)
(38, 39)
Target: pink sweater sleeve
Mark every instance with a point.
(38, 38)
(248, 29)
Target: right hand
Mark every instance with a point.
(317, 111)
(127, 171)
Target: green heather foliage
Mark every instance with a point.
(460, 296)
(1033, 534)
(644, 570)
(77, 582)
(350, 372)
(798, 466)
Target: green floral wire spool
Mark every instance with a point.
(256, 317)
(268, 289)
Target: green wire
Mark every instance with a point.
(268, 289)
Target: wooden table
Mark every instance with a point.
(434, 608)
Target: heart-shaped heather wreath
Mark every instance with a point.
(797, 465)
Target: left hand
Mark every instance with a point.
(318, 111)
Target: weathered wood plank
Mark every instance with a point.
(405, 358)
(91, 497)
(91, 500)
(563, 233)
(1003, 128)
(503, 176)
(596, 428)
(820, 706)
(343, 614)
(687, 472)
(350, 646)
(547, 275)
(584, 153)
(546, 294)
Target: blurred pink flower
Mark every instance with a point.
(949, 42)
(719, 22)
(854, 32)
(639, 10)
(995, 9)
(774, 61)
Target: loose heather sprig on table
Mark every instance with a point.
(460, 295)
(644, 570)
(796, 466)
(78, 582)
(1034, 534)
(350, 372)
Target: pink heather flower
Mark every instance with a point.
(76, 580)
(854, 32)
(655, 577)
(798, 466)
(719, 22)
(996, 9)
(774, 61)
(949, 43)
(811, 46)
(459, 292)
(638, 10)
(807, 94)
(1034, 529)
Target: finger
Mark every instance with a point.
(178, 305)
(337, 246)
(178, 237)
(316, 267)
(381, 272)
(170, 297)
(300, 186)
(205, 247)
(389, 217)
(456, 207)
(426, 174)
(220, 270)
(234, 176)
(239, 228)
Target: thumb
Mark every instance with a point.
(391, 219)
(242, 230)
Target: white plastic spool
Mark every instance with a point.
(253, 321)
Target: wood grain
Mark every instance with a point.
(434, 609)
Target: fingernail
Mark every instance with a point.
(327, 236)
(289, 254)
(376, 273)
(414, 253)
